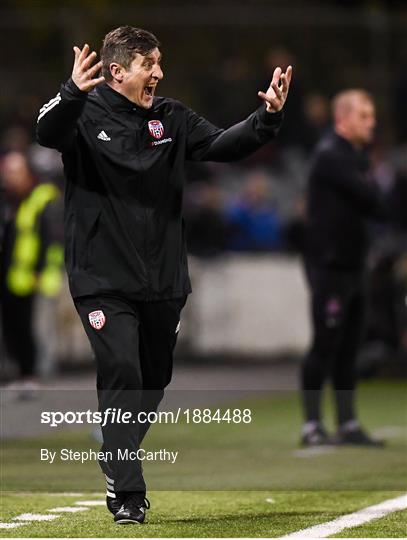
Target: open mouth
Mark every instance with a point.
(149, 90)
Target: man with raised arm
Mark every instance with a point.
(124, 151)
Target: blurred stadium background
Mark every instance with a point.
(244, 220)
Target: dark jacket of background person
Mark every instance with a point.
(340, 199)
(125, 175)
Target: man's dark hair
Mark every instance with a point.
(121, 45)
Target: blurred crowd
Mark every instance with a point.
(259, 204)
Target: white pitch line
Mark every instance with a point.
(11, 525)
(313, 451)
(68, 509)
(90, 503)
(70, 494)
(355, 519)
(35, 517)
(53, 493)
(391, 432)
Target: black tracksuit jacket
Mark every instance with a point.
(124, 232)
(341, 198)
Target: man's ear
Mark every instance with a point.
(117, 71)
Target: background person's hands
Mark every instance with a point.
(84, 69)
(277, 93)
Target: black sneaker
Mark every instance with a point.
(115, 503)
(133, 510)
(357, 437)
(315, 437)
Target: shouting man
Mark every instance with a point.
(124, 152)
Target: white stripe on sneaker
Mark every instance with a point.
(109, 480)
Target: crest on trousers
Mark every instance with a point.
(97, 319)
(156, 128)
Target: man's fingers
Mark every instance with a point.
(77, 52)
(83, 70)
(276, 76)
(284, 84)
(288, 74)
(84, 52)
(286, 79)
(94, 69)
(94, 82)
(265, 97)
(272, 101)
(88, 61)
(277, 90)
(98, 81)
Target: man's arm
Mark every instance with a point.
(56, 123)
(206, 142)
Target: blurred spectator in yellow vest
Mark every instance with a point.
(31, 259)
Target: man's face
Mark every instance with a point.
(140, 81)
(361, 121)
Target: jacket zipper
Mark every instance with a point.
(146, 248)
(138, 146)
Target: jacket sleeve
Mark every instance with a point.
(206, 142)
(57, 119)
(342, 176)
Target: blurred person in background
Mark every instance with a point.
(400, 98)
(317, 118)
(207, 227)
(227, 107)
(15, 139)
(294, 230)
(253, 220)
(341, 196)
(31, 261)
(124, 151)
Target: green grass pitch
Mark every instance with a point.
(242, 481)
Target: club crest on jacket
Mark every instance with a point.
(156, 128)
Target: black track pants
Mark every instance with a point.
(133, 344)
(338, 304)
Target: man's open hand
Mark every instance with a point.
(276, 95)
(84, 71)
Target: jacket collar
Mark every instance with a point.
(118, 102)
(344, 142)
(361, 154)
